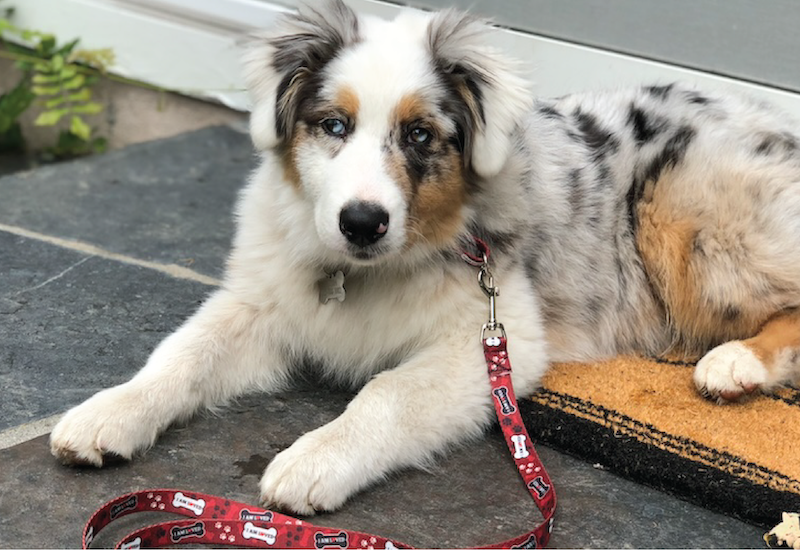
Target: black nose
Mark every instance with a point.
(363, 223)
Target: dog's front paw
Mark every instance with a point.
(729, 371)
(109, 425)
(316, 474)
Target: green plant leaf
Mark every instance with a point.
(55, 102)
(50, 117)
(25, 54)
(47, 43)
(5, 25)
(21, 50)
(13, 104)
(58, 62)
(69, 145)
(79, 128)
(75, 82)
(68, 71)
(83, 95)
(44, 66)
(46, 90)
(91, 108)
(44, 78)
(67, 48)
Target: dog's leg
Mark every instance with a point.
(400, 418)
(215, 355)
(762, 362)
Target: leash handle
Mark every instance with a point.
(219, 521)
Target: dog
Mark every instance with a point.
(652, 220)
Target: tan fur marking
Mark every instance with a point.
(666, 239)
(665, 247)
(470, 99)
(290, 172)
(435, 209)
(778, 334)
(438, 206)
(410, 108)
(347, 100)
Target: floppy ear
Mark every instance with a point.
(281, 66)
(492, 93)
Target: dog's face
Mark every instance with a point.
(385, 127)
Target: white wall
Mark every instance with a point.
(190, 46)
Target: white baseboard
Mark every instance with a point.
(190, 46)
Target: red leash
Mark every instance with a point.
(221, 521)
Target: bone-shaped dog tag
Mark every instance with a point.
(331, 287)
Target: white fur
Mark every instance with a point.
(730, 369)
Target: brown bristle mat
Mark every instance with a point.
(643, 419)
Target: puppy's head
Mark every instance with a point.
(383, 126)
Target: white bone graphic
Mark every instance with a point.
(135, 544)
(197, 506)
(389, 546)
(520, 451)
(252, 532)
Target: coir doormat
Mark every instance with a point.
(644, 420)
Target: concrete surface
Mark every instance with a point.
(88, 286)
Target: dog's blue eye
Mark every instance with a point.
(419, 136)
(335, 127)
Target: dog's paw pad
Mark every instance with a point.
(730, 371)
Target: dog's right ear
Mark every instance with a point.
(280, 65)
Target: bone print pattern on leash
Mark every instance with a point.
(195, 505)
(521, 451)
(268, 535)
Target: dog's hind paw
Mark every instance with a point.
(730, 371)
(316, 474)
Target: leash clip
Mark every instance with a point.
(486, 281)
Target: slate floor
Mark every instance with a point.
(101, 258)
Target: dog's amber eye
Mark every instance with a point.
(419, 136)
(334, 127)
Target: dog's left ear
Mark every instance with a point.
(494, 97)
